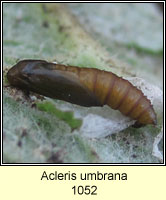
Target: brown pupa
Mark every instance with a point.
(83, 86)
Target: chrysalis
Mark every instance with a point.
(83, 86)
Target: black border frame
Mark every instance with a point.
(82, 164)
